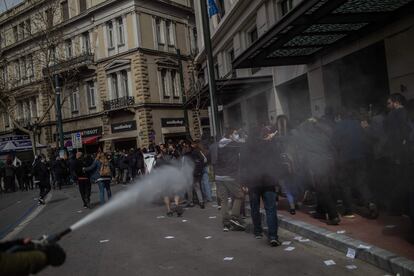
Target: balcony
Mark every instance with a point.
(83, 61)
(27, 122)
(118, 103)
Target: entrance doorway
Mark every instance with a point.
(120, 145)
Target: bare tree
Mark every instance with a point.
(49, 58)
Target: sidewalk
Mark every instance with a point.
(384, 239)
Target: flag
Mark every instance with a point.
(213, 12)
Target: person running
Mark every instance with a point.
(100, 173)
(42, 177)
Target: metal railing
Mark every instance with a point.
(118, 103)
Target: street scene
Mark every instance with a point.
(210, 137)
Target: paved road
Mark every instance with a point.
(137, 245)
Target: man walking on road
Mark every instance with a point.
(42, 176)
(83, 181)
(227, 172)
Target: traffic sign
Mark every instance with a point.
(77, 140)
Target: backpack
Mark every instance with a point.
(105, 170)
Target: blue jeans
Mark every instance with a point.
(205, 185)
(268, 194)
(104, 185)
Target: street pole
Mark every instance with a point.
(180, 69)
(210, 67)
(59, 113)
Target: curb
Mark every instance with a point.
(374, 255)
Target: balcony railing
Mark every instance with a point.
(118, 103)
(72, 63)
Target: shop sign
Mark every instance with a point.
(14, 138)
(125, 126)
(172, 122)
(88, 132)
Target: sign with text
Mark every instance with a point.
(76, 140)
(88, 132)
(125, 126)
(172, 122)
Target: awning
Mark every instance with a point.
(90, 140)
(315, 26)
(118, 136)
(229, 89)
(18, 145)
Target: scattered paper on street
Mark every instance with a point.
(212, 217)
(214, 205)
(286, 243)
(304, 240)
(169, 237)
(298, 238)
(329, 262)
(341, 232)
(351, 253)
(184, 220)
(160, 217)
(103, 241)
(228, 258)
(351, 267)
(390, 226)
(290, 248)
(362, 246)
(208, 237)
(80, 211)
(19, 202)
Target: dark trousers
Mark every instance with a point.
(353, 179)
(268, 194)
(85, 190)
(9, 183)
(324, 194)
(44, 189)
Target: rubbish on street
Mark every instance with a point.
(184, 220)
(298, 238)
(351, 267)
(290, 248)
(329, 262)
(208, 237)
(341, 232)
(169, 237)
(361, 246)
(286, 243)
(160, 217)
(351, 253)
(304, 240)
(228, 258)
(212, 217)
(103, 241)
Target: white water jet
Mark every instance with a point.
(167, 180)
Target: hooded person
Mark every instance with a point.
(42, 177)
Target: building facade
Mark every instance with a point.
(124, 68)
(321, 55)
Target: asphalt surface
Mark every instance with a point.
(133, 241)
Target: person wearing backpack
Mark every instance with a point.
(100, 173)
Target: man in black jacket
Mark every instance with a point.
(82, 180)
(195, 156)
(42, 176)
(226, 169)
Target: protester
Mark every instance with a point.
(84, 184)
(100, 173)
(42, 177)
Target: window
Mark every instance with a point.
(121, 37)
(164, 84)
(82, 5)
(23, 67)
(160, 32)
(253, 36)
(285, 6)
(52, 55)
(29, 64)
(90, 87)
(124, 83)
(64, 10)
(17, 70)
(15, 34)
(176, 84)
(110, 29)
(193, 40)
(33, 108)
(114, 86)
(22, 31)
(221, 7)
(216, 70)
(6, 120)
(49, 17)
(28, 27)
(69, 53)
(86, 43)
(74, 101)
(170, 33)
(230, 61)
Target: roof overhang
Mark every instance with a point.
(316, 26)
(227, 90)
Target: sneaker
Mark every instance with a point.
(334, 221)
(226, 229)
(275, 242)
(237, 225)
(219, 207)
(258, 236)
(41, 201)
(170, 214)
(373, 211)
(179, 210)
(292, 211)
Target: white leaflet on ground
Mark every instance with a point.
(390, 226)
(341, 232)
(329, 262)
(214, 205)
(290, 248)
(351, 267)
(228, 258)
(184, 220)
(212, 217)
(19, 202)
(286, 243)
(304, 240)
(351, 253)
(160, 217)
(362, 246)
(103, 241)
(208, 237)
(169, 237)
(80, 211)
(298, 238)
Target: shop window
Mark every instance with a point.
(90, 87)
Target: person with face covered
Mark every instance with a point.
(42, 177)
(260, 169)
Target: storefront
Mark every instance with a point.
(123, 136)
(90, 139)
(173, 129)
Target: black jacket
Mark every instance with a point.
(228, 155)
(198, 160)
(41, 172)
